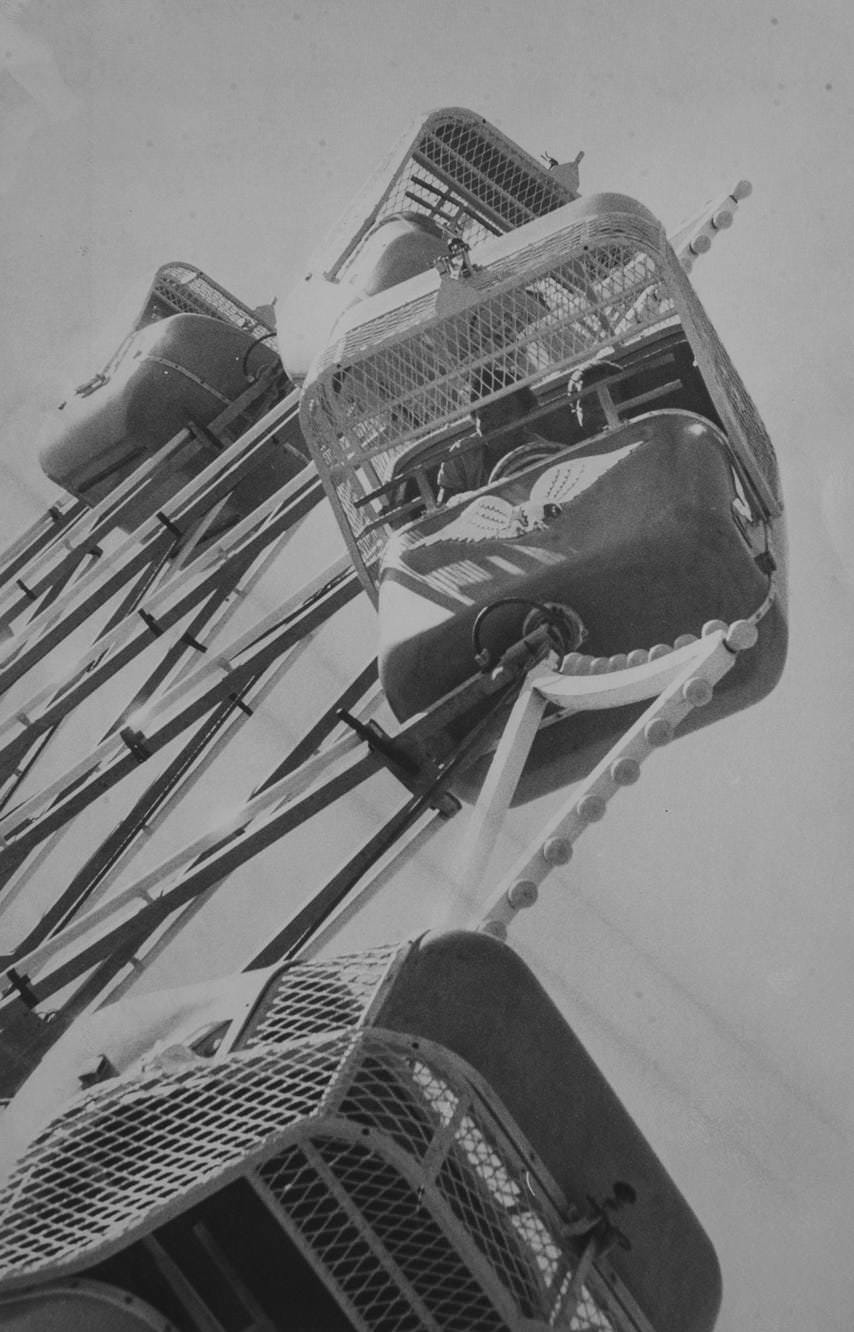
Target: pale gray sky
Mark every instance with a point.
(705, 949)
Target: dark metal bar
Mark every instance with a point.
(305, 924)
(113, 949)
(322, 729)
(213, 484)
(88, 878)
(309, 918)
(46, 530)
(188, 642)
(89, 680)
(45, 640)
(88, 788)
(97, 867)
(210, 870)
(14, 777)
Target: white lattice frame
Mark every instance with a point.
(259, 1026)
(378, 197)
(323, 1119)
(417, 314)
(429, 1198)
(479, 1103)
(177, 277)
(167, 285)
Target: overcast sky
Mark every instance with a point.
(705, 953)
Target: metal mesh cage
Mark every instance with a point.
(385, 1158)
(186, 289)
(418, 1209)
(596, 277)
(548, 302)
(456, 168)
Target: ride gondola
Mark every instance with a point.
(194, 351)
(416, 1137)
(631, 501)
(407, 1138)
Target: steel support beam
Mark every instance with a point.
(223, 678)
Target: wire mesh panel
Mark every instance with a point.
(131, 1146)
(180, 288)
(184, 288)
(418, 1208)
(385, 1158)
(551, 298)
(122, 1158)
(456, 168)
(309, 999)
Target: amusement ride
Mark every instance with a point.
(559, 501)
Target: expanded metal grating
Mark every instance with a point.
(310, 999)
(417, 1208)
(458, 169)
(385, 1158)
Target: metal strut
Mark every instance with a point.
(219, 676)
(75, 603)
(47, 530)
(424, 757)
(675, 683)
(212, 572)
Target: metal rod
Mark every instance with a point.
(118, 756)
(163, 610)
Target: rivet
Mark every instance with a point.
(571, 663)
(591, 808)
(557, 850)
(625, 771)
(522, 894)
(742, 635)
(598, 665)
(697, 691)
(660, 650)
(637, 657)
(684, 640)
(658, 731)
(714, 627)
(722, 219)
(618, 662)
